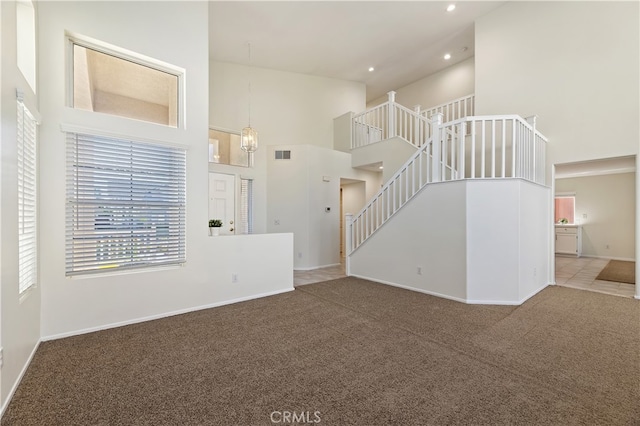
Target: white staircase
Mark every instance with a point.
(474, 147)
(504, 148)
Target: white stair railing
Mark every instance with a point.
(487, 147)
(453, 110)
(389, 120)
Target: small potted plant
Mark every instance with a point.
(214, 226)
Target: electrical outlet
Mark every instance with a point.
(276, 222)
(234, 278)
(419, 270)
(535, 272)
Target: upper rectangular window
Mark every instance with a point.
(224, 148)
(26, 41)
(109, 81)
(126, 204)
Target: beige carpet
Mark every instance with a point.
(619, 271)
(351, 352)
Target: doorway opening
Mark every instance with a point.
(604, 229)
(352, 200)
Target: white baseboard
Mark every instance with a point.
(18, 380)
(419, 290)
(162, 315)
(509, 302)
(313, 268)
(627, 259)
(454, 298)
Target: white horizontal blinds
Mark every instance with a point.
(27, 199)
(246, 206)
(126, 204)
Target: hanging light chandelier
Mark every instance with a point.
(249, 136)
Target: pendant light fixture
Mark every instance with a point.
(249, 137)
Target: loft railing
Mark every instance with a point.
(453, 110)
(389, 120)
(486, 147)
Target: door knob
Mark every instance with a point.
(230, 222)
(231, 229)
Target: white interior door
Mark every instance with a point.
(222, 191)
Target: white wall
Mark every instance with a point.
(392, 153)
(493, 218)
(261, 264)
(476, 241)
(286, 109)
(176, 33)
(421, 235)
(301, 189)
(573, 64)
(534, 239)
(353, 197)
(507, 238)
(19, 319)
(342, 132)
(444, 86)
(609, 203)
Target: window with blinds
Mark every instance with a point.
(246, 206)
(27, 198)
(126, 204)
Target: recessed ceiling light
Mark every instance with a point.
(451, 8)
(447, 56)
(381, 167)
(371, 69)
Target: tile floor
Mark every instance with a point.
(581, 273)
(571, 272)
(319, 275)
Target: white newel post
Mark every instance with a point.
(532, 121)
(416, 120)
(391, 125)
(348, 242)
(436, 129)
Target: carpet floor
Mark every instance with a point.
(349, 352)
(620, 271)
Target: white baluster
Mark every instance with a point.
(473, 149)
(493, 148)
(504, 143)
(463, 133)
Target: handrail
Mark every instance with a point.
(370, 126)
(386, 121)
(474, 147)
(453, 110)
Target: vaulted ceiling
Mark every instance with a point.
(403, 41)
